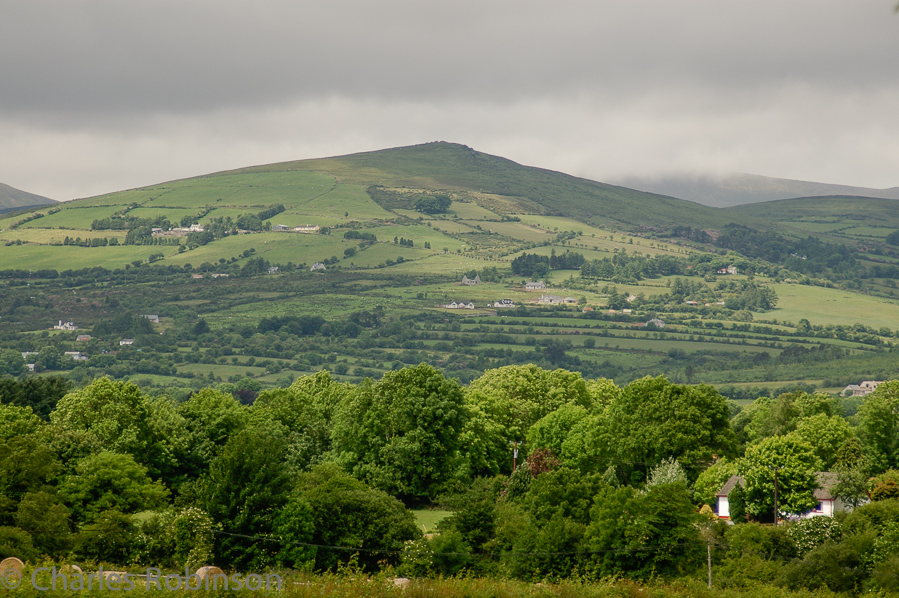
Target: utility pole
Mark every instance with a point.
(776, 469)
(515, 444)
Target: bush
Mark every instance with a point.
(17, 542)
(112, 538)
(808, 534)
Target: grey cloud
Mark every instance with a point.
(100, 95)
(108, 56)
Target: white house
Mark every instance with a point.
(828, 502)
(65, 326)
(535, 286)
(317, 266)
(722, 506)
(504, 303)
(126, 341)
(656, 322)
(471, 281)
(154, 319)
(307, 228)
(459, 305)
(76, 355)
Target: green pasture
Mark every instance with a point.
(419, 235)
(220, 370)
(47, 236)
(172, 213)
(456, 227)
(427, 519)
(824, 306)
(877, 232)
(117, 199)
(472, 211)
(72, 218)
(275, 247)
(821, 227)
(58, 257)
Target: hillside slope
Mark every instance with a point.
(12, 198)
(451, 166)
(739, 189)
(856, 218)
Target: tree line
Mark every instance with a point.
(609, 480)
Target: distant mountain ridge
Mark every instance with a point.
(12, 198)
(739, 189)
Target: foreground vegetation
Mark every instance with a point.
(605, 482)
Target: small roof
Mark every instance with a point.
(731, 483)
(827, 480)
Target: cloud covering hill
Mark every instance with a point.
(737, 189)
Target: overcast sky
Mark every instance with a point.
(97, 96)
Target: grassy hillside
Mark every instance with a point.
(846, 217)
(450, 166)
(410, 266)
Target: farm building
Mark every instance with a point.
(860, 390)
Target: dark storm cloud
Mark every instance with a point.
(177, 56)
(100, 95)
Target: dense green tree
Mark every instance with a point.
(118, 417)
(295, 528)
(17, 542)
(551, 431)
(210, 419)
(736, 503)
(27, 459)
(564, 491)
(433, 204)
(402, 434)
(644, 534)
(112, 537)
(43, 515)
(248, 485)
(11, 363)
(825, 435)
(306, 410)
(880, 425)
(177, 538)
(779, 416)
(795, 463)
(507, 401)
(41, 393)
(108, 480)
(349, 514)
(654, 419)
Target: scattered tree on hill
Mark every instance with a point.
(438, 203)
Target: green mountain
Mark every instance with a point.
(450, 166)
(12, 198)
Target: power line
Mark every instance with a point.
(494, 554)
